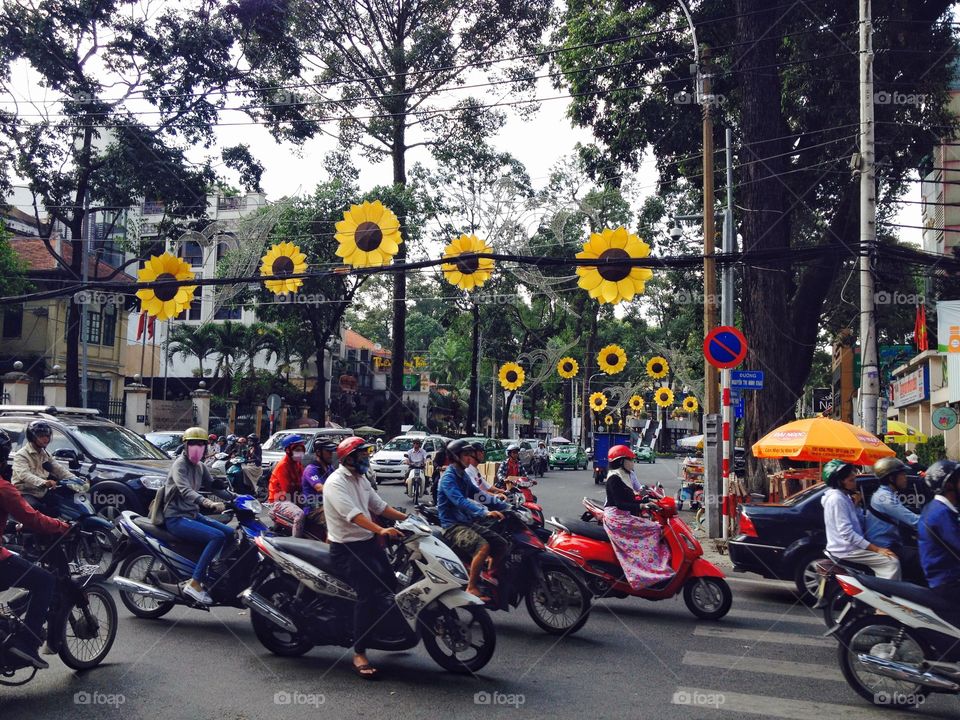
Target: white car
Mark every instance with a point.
(387, 463)
(272, 452)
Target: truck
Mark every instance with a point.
(602, 442)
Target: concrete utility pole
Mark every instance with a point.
(726, 318)
(869, 377)
(85, 275)
(711, 394)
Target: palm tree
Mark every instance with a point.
(231, 347)
(198, 341)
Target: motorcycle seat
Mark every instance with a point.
(181, 546)
(914, 593)
(312, 551)
(590, 530)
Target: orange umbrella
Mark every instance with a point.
(821, 439)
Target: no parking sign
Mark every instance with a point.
(725, 347)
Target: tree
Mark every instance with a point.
(12, 268)
(196, 341)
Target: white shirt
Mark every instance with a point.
(344, 497)
(417, 457)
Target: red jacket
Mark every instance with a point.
(13, 504)
(285, 480)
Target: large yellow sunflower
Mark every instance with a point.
(369, 235)
(612, 359)
(664, 397)
(511, 376)
(164, 303)
(568, 368)
(636, 403)
(608, 282)
(467, 273)
(598, 401)
(657, 367)
(283, 259)
(690, 404)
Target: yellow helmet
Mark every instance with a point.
(195, 433)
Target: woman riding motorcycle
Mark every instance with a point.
(285, 485)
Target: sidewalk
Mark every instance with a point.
(717, 555)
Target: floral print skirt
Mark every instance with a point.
(644, 557)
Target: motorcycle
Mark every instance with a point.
(305, 602)
(539, 465)
(898, 657)
(82, 620)
(705, 590)
(416, 479)
(156, 569)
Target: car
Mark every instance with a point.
(785, 540)
(124, 471)
(646, 454)
(167, 440)
(568, 456)
(493, 448)
(527, 446)
(272, 452)
(387, 463)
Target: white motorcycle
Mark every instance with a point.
(903, 655)
(306, 602)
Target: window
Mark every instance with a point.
(192, 253)
(13, 321)
(109, 334)
(194, 312)
(228, 312)
(93, 326)
(59, 441)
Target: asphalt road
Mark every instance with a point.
(633, 659)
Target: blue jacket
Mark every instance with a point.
(880, 532)
(940, 543)
(456, 501)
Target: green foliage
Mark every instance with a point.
(932, 450)
(251, 389)
(12, 268)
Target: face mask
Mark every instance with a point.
(298, 456)
(363, 464)
(195, 453)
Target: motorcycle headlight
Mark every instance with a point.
(455, 568)
(153, 482)
(255, 507)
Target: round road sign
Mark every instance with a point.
(725, 347)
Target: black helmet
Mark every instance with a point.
(253, 437)
(456, 447)
(327, 445)
(888, 467)
(5, 444)
(478, 446)
(38, 428)
(940, 473)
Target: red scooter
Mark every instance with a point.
(705, 591)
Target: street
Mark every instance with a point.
(633, 659)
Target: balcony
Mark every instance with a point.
(238, 202)
(153, 207)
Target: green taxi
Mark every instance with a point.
(568, 456)
(646, 454)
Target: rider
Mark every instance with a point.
(940, 530)
(416, 458)
(845, 524)
(471, 467)
(466, 522)
(285, 483)
(182, 502)
(17, 572)
(255, 453)
(541, 457)
(350, 504)
(212, 447)
(34, 470)
(311, 486)
(512, 467)
(886, 501)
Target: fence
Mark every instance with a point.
(35, 397)
(114, 410)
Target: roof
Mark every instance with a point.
(34, 253)
(355, 340)
(17, 214)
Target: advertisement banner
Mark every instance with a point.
(948, 327)
(910, 388)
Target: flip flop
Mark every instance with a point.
(359, 670)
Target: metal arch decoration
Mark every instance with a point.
(541, 364)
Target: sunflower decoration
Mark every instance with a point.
(568, 368)
(608, 420)
(467, 273)
(368, 235)
(690, 404)
(598, 401)
(609, 282)
(283, 259)
(612, 359)
(664, 397)
(657, 367)
(164, 303)
(511, 376)
(636, 403)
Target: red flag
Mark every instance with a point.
(920, 329)
(140, 325)
(151, 325)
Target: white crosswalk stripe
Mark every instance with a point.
(804, 617)
(749, 663)
(763, 636)
(778, 707)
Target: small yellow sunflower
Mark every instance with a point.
(608, 282)
(664, 397)
(657, 367)
(690, 404)
(368, 235)
(568, 368)
(511, 376)
(636, 403)
(283, 259)
(598, 401)
(608, 420)
(467, 273)
(164, 303)
(612, 359)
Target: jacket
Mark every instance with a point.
(182, 496)
(620, 492)
(939, 532)
(456, 499)
(844, 524)
(13, 505)
(879, 531)
(29, 474)
(285, 480)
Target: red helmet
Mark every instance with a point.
(212, 438)
(349, 446)
(620, 451)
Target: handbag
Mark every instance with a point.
(157, 507)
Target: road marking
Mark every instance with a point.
(776, 707)
(764, 636)
(808, 619)
(762, 582)
(788, 668)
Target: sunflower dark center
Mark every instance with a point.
(613, 359)
(467, 265)
(283, 265)
(368, 236)
(167, 293)
(568, 367)
(613, 273)
(657, 367)
(511, 376)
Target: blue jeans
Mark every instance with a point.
(201, 530)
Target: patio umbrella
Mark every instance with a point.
(692, 441)
(367, 430)
(900, 432)
(821, 439)
(559, 439)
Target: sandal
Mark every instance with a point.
(366, 671)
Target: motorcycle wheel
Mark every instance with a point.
(709, 598)
(100, 549)
(273, 637)
(460, 640)
(568, 612)
(833, 605)
(138, 567)
(862, 636)
(88, 633)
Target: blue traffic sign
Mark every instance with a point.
(725, 347)
(739, 408)
(746, 379)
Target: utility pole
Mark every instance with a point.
(726, 318)
(711, 395)
(869, 377)
(85, 274)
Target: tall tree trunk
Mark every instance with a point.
(320, 339)
(586, 415)
(474, 363)
(399, 351)
(567, 429)
(74, 314)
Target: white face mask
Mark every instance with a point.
(298, 456)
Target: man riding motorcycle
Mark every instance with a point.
(939, 530)
(892, 474)
(17, 572)
(511, 467)
(416, 459)
(471, 467)
(541, 458)
(285, 484)
(34, 469)
(350, 504)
